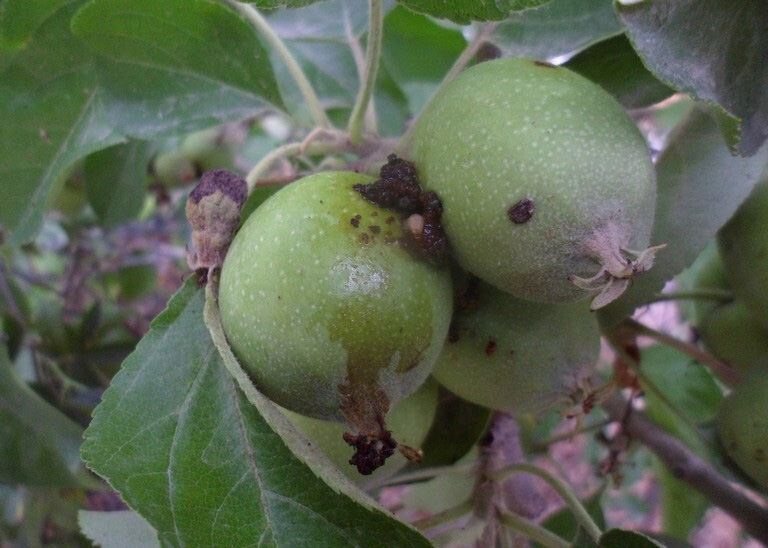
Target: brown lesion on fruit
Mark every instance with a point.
(544, 64)
(490, 348)
(521, 212)
(364, 402)
(355, 221)
(399, 189)
(213, 212)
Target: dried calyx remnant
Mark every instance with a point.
(399, 189)
(213, 212)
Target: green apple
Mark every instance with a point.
(547, 185)
(742, 424)
(518, 356)
(743, 244)
(332, 317)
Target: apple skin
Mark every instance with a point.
(332, 317)
(518, 356)
(742, 424)
(535, 166)
(743, 245)
(409, 420)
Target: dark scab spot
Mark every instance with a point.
(544, 64)
(364, 238)
(375, 229)
(521, 212)
(355, 221)
(453, 333)
(390, 220)
(488, 52)
(374, 213)
(490, 348)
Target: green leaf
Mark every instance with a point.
(700, 185)
(621, 538)
(174, 66)
(438, 47)
(185, 448)
(270, 4)
(681, 507)
(20, 19)
(464, 11)
(557, 28)
(614, 65)
(115, 179)
(52, 115)
(687, 384)
(39, 445)
(713, 49)
(121, 529)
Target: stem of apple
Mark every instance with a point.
(460, 64)
(581, 514)
(258, 21)
(533, 531)
(721, 295)
(372, 54)
(722, 370)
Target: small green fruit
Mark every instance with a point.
(331, 316)
(173, 168)
(409, 421)
(518, 356)
(743, 244)
(731, 333)
(742, 425)
(546, 183)
(209, 149)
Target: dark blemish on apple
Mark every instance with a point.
(544, 64)
(490, 348)
(364, 238)
(375, 229)
(487, 52)
(453, 333)
(521, 212)
(374, 213)
(390, 220)
(355, 221)
(399, 188)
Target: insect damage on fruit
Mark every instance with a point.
(547, 186)
(399, 189)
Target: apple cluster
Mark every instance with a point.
(339, 300)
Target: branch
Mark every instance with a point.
(689, 468)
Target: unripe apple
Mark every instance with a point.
(332, 317)
(409, 421)
(547, 185)
(742, 424)
(731, 333)
(518, 356)
(743, 244)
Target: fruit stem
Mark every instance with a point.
(722, 295)
(445, 516)
(372, 54)
(258, 21)
(313, 144)
(579, 512)
(424, 474)
(531, 530)
(460, 64)
(721, 369)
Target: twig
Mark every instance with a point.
(423, 474)
(689, 468)
(372, 55)
(255, 18)
(721, 295)
(531, 530)
(581, 514)
(722, 370)
(446, 516)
